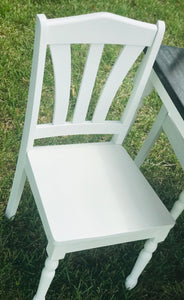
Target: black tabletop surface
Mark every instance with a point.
(169, 66)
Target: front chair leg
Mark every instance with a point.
(142, 260)
(47, 275)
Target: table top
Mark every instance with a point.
(169, 67)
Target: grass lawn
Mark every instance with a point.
(100, 273)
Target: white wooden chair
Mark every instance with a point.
(89, 195)
(166, 78)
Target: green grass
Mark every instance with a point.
(100, 273)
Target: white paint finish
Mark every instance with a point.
(87, 195)
(61, 59)
(178, 206)
(152, 137)
(85, 189)
(57, 249)
(100, 28)
(87, 127)
(88, 81)
(31, 115)
(120, 69)
(175, 138)
(47, 275)
(142, 260)
(16, 191)
(168, 120)
(36, 82)
(172, 110)
(142, 77)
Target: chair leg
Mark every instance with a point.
(150, 246)
(152, 137)
(148, 89)
(178, 206)
(16, 192)
(142, 260)
(47, 275)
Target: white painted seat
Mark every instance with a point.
(85, 190)
(93, 194)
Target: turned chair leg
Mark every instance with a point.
(142, 260)
(150, 246)
(47, 275)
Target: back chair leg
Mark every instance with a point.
(152, 137)
(178, 206)
(47, 276)
(142, 260)
(16, 192)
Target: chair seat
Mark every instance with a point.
(88, 191)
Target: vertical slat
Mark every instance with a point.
(88, 81)
(61, 58)
(120, 69)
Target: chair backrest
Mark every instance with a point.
(94, 29)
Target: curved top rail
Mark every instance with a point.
(106, 28)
